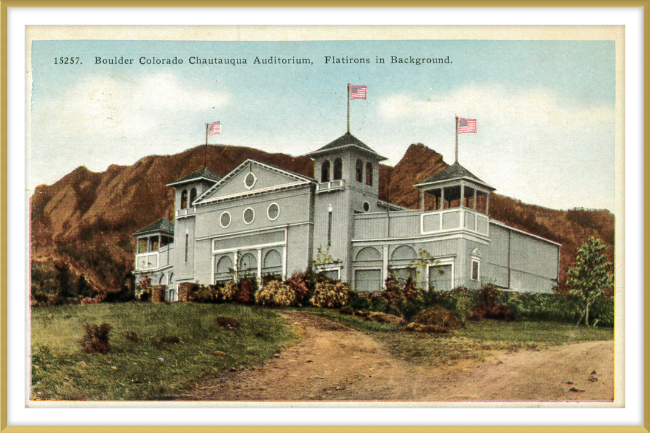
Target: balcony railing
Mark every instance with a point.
(185, 212)
(454, 219)
(333, 185)
(146, 261)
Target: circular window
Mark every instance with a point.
(249, 180)
(273, 211)
(225, 219)
(366, 206)
(249, 215)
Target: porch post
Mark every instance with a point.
(423, 192)
(462, 194)
(284, 262)
(259, 267)
(442, 198)
(385, 257)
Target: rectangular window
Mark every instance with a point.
(475, 270)
(329, 229)
(187, 240)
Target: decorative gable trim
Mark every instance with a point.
(203, 198)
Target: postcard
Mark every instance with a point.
(315, 216)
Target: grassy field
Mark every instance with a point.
(148, 370)
(475, 342)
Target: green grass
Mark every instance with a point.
(62, 371)
(475, 342)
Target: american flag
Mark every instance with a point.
(357, 92)
(214, 128)
(466, 125)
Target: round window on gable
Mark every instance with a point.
(366, 206)
(249, 180)
(249, 215)
(273, 211)
(225, 219)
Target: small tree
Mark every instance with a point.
(591, 275)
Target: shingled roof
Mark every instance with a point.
(202, 173)
(163, 225)
(455, 171)
(346, 140)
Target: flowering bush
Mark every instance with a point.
(331, 295)
(204, 294)
(242, 292)
(143, 289)
(405, 300)
(95, 300)
(228, 291)
(299, 283)
(275, 294)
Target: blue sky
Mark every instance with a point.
(544, 109)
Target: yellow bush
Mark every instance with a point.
(275, 294)
(331, 295)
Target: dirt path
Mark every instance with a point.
(337, 363)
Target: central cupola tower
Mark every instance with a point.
(347, 175)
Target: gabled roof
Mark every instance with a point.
(163, 225)
(454, 171)
(240, 167)
(201, 174)
(346, 140)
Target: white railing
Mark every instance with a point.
(333, 185)
(185, 212)
(146, 261)
(454, 219)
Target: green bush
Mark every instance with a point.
(330, 295)
(275, 294)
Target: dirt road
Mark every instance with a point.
(337, 363)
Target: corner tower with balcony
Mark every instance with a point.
(154, 244)
(187, 190)
(347, 175)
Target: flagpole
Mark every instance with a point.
(456, 138)
(205, 154)
(348, 108)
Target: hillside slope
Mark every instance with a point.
(86, 219)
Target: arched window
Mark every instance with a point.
(359, 168)
(184, 199)
(369, 173)
(192, 196)
(325, 172)
(338, 168)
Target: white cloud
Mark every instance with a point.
(122, 106)
(499, 106)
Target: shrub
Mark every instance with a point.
(204, 294)
(275, 294)
(405, 300)
(439, 319)
(132, 336)
(96, 338)
(95, 300)
(347, 310)
(300, 284)
(143, 289)
(464, 301)
(227, 323)
(228, 291)
(330, 295)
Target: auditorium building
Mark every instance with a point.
(259, 220)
